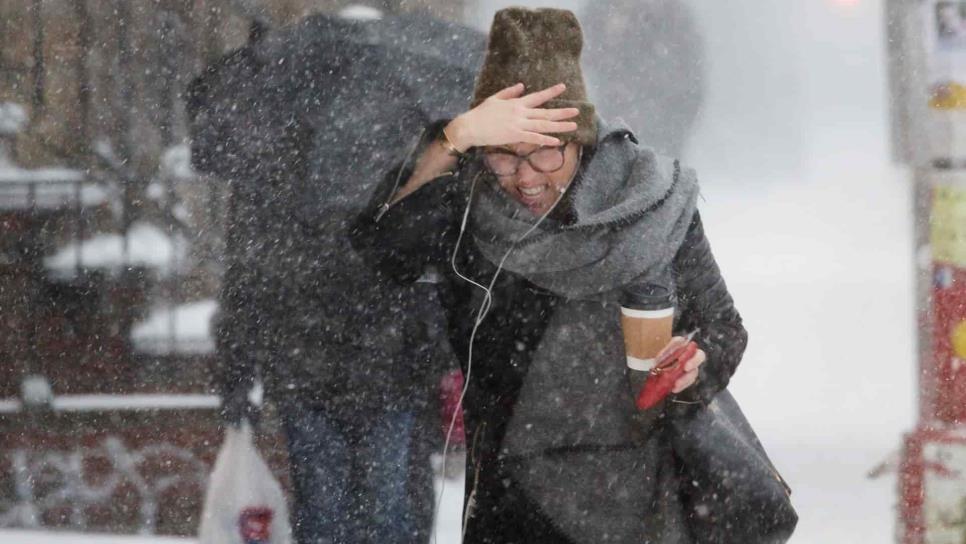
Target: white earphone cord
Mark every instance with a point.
(480, 316)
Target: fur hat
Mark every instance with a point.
(539, 48)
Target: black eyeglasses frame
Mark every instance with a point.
(520, 158)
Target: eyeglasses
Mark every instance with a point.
(504, 162)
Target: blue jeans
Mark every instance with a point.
(368, 480)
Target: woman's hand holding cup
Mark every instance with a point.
(676, 370)
(509, 117)
(691, 366)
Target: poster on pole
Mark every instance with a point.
(945, 51)
(947, 240)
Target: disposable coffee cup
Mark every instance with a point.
(647, 315)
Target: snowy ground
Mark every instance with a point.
(822, 272)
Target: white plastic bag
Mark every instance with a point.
(245, 503)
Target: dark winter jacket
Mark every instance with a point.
(537, 349)
(315, 336)
(298, 305)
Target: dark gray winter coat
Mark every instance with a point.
(298, 305)
(555, 453)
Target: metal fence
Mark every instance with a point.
(106, 423)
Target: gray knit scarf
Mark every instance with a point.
(632, 209)
(572, 441)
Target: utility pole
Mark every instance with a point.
(927, 62)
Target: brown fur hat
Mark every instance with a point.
(539, 48)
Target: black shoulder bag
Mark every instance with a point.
(731, 490)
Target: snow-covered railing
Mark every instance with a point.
(47, 188)
(135, 402)
(154, 456)
(61, 480)
(154, 243)
(98, 263)
(179, 330)
(144, 245)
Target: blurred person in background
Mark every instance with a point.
(645, 67)
(350, 359)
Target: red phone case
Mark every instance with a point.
(668, 369)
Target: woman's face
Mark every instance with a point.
(536, 190)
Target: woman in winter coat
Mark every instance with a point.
(537, 214)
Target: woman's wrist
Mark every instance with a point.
(455, 133)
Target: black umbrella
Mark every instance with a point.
(220, 103)
(339, 97)
(366, 88)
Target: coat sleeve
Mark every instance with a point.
(236, 327)
(404, 239)
(706, 304)
(237, 366)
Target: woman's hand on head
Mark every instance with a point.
(510, 117)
